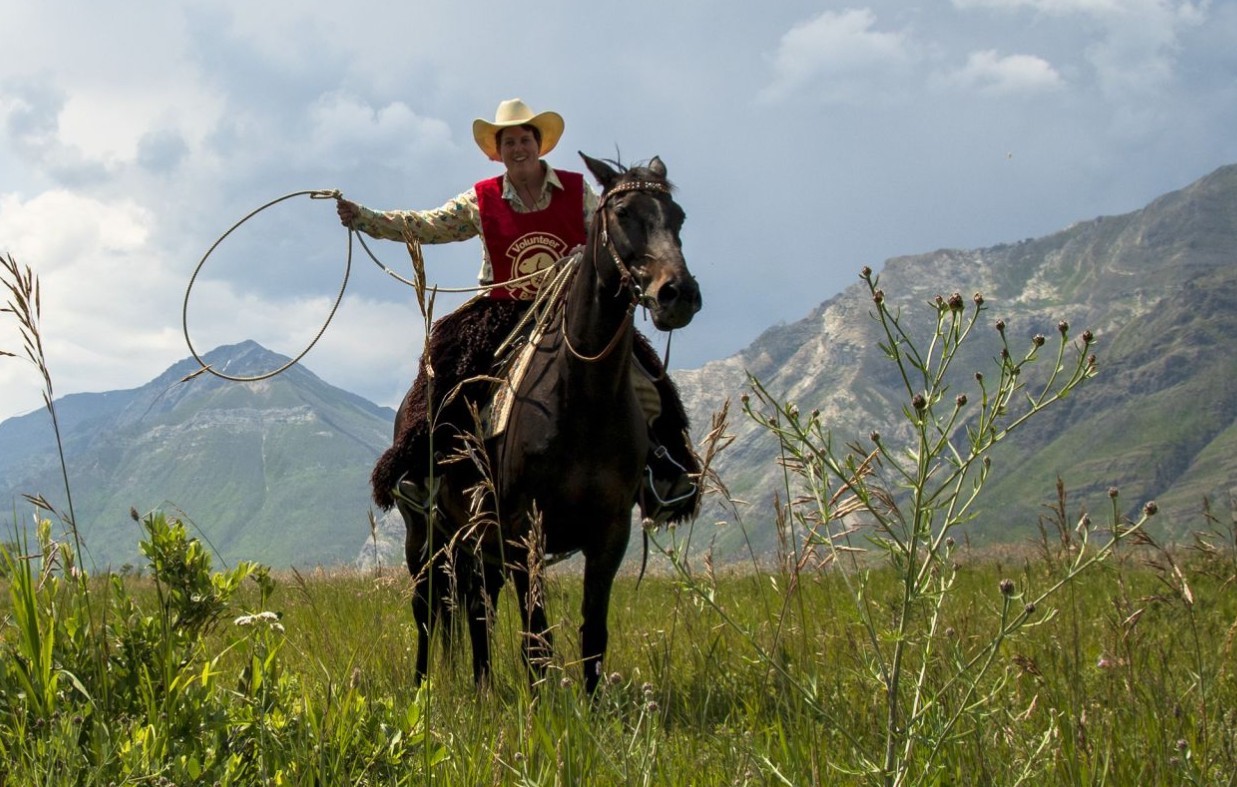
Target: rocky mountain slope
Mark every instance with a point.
(1158, 287)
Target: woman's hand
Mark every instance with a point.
(348, 212)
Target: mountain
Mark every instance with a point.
(278, 470)
(275, 471)
(1158, 288)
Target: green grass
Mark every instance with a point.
(734, 677)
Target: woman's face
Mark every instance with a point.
(519, 150)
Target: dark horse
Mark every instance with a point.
(564, 475)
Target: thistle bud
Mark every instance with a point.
(878, 296)
(875, 437)
(1007, 587)
(961, 400)
(1151, 508)
(1000, 326)
(919, 402)
(978, 298)
(955, 302)
(865, 273)
(1112, 492)
(1038, 340)
(1087, 337)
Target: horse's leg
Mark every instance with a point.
(481, 583)
(600, 568)
(530, 589)
(418, 559)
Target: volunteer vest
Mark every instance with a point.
(524, 243)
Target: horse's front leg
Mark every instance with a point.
(528, 576)
(600, 568)
(483, 580)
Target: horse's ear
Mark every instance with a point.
(658, 167)
(604, 173)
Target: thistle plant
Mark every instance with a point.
(902, 503)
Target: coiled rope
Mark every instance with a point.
(343, 286)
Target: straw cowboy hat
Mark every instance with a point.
(514, 112)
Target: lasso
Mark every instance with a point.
(343, 286)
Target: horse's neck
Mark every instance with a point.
(598, 311)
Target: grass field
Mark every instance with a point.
(877, 648)
(732, 677)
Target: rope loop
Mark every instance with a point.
(205, 367)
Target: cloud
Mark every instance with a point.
(990, 74)
(837, 56)
(1134, 54)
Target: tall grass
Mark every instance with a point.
(1096, 655)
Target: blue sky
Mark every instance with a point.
(808, 139)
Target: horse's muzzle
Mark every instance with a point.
(675, 303)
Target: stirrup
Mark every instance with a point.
(418, 496)
(662, 499)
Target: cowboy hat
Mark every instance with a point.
(514, 112)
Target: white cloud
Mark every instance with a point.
(1135, 50)
(834, 54)
(991, 74)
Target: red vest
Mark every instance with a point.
(523, 243)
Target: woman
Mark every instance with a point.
(527, 218)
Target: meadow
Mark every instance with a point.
(876, 646)
(718, 677)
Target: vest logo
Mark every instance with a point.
(531, 253)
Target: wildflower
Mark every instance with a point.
(1007, 587)
(615, 678)
(865, 273)
(744, 399)
(1087, 337)
(1038, 340)
(1104, 662)
(955, 302)
(1000, 326)
(875, 437)
(1063, 327)
(1151, 508)
(978, 298)
(919, 402)
(1029, 608)
(878, 296)
(961, 400)
(1112, 492)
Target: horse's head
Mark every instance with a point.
(639, 221)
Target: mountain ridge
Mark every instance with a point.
(277, 470)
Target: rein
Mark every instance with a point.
(626, 280)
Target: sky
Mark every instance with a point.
(807, 140)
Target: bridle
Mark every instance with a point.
(626, 280)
